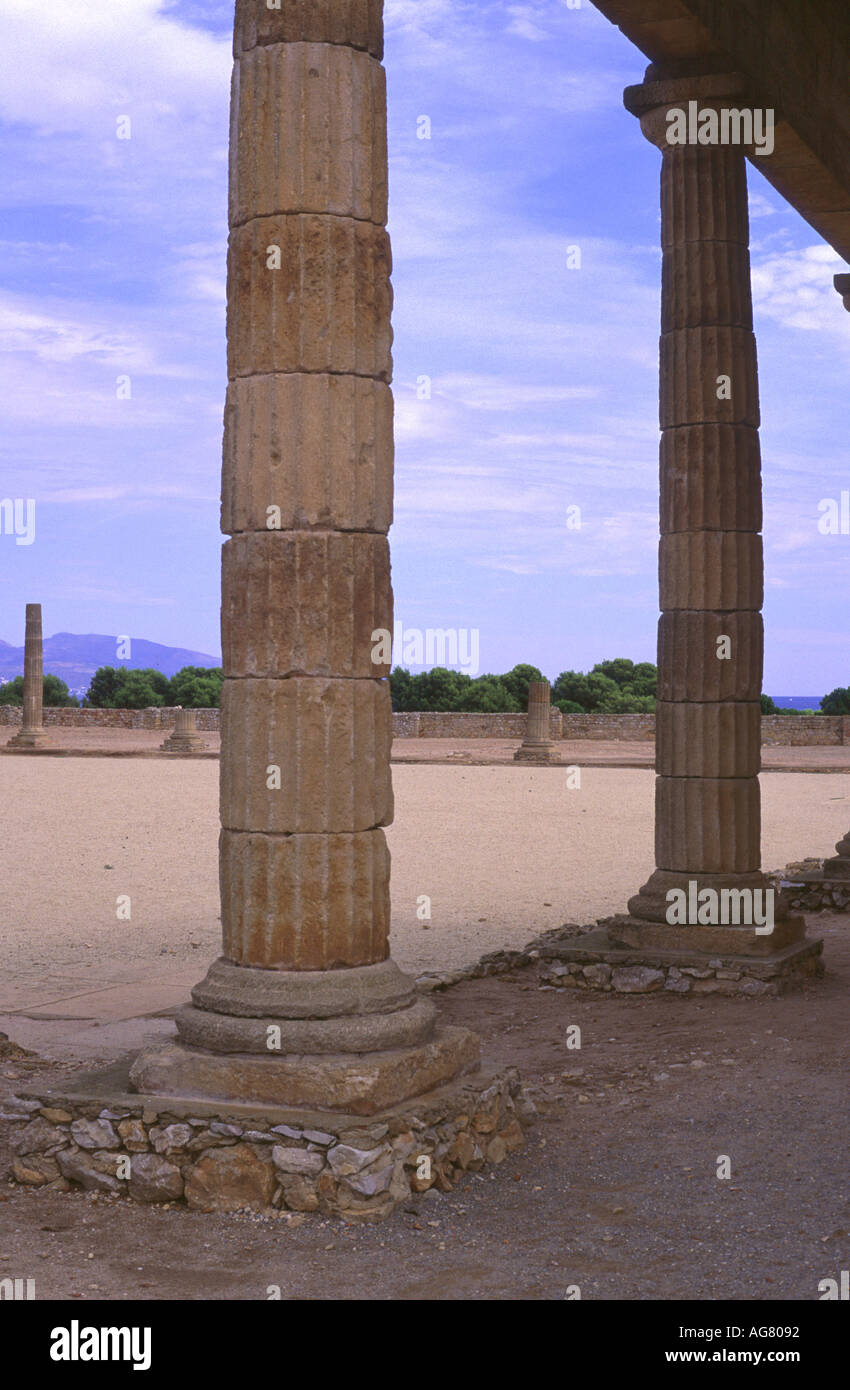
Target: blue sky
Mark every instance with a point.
(544, 379)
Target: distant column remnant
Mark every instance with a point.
(538, 747)
(184, 738)
(32, 734)
(842, 284)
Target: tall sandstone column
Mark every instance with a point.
(305, 979)
(32, 733)
(710, 640)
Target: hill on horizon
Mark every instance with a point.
(75, 657)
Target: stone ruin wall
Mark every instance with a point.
(788, 730)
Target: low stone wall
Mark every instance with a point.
(358, 1170)
(776, 729)
(207, 720)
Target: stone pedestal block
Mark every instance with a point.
(305, 603)
(305, 902)
(325, 308)
(330, 740)
(307, 451)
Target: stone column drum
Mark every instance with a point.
(538, 746)
(305, 1006)
(185, 737)
(710, 640)
(32, 733)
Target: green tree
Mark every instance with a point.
(197, 687)
(439, 688)
(837, 701)
(55, 693)
(489, 695)
(516, 683)
(402, 689)
(768, 706)
(121, 688)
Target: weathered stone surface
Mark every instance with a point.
(300, 1193)
(256, 993)
(133, 1136)
(345, 1160)
(308, 133)
(371, 1184)
(330, 740)
(37, 1136)
(301, 1162)
(366, 1033)
(326, 308)
(297, 603)
(689, 665)
(720, 570)
(376, 1082)
(35, 1169)
(171, 1138)
(317, 447)
(711, 479)
(154, 1179)
(637, 979)
(708, 739)
(708, 825)
(80, 1167)
(94, 1134)
(693, 361)
(231, 1180)
(706, 282)
(355, 23)
(56, 1117)
(304, 902)
(703, 194)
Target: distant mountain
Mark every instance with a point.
(75, 658)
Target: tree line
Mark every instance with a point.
(118, 687)
(611, 687)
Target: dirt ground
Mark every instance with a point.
(616, 1191)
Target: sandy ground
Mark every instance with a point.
(616, 1190)
(503, 853)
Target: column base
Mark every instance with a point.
(183, 743)
(600, 960)
(357, 1039)
(31, 738)
(538, 753)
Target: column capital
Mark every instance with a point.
(660, 94)
(842, 284)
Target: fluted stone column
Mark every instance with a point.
(710, 639)
(184, 738)
(538, 746)
(32, 733)
(307, 502)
